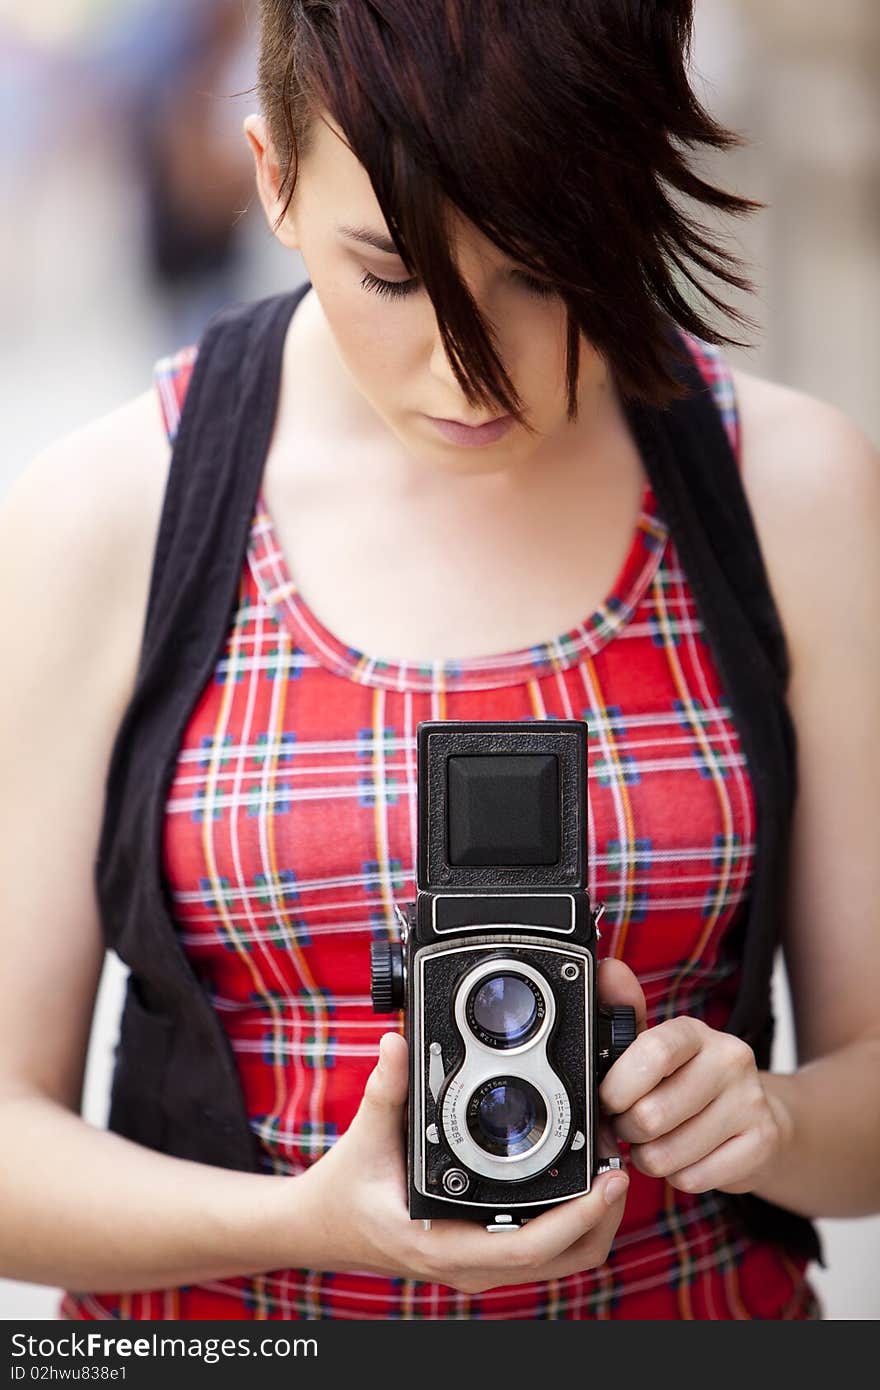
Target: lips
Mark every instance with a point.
(470, 436)
(466, 425)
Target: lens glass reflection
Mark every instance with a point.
(505, 1007)
(507, 1116)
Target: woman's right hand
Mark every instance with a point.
(351, 1209)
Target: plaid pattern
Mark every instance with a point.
(290, 831)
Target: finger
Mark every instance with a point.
(730, 1168)
(590, 1251)
(685, 1093)
(394, 1059)
(616, 984)
(459, 1245)
(379, 1116)
(656, 1053)
(547, 1236)
(689, 1143)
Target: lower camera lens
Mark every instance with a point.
(504, 1009)
(506, 1116)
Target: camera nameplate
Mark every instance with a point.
(458, 929)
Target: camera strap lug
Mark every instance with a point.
(597, 914)
(403, 924)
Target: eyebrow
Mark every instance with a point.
(377, 239)
(370, 238)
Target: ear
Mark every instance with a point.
(268, 174)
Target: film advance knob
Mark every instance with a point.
(386, 976)
(623, 1029)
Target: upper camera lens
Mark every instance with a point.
(504, 1009)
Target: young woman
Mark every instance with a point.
(423, 486)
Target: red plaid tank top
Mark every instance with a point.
(290, 831)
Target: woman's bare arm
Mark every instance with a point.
(814, 485)
(80, 1206)
(83, 1208)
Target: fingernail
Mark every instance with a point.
(381, 1061)
(615, 1187)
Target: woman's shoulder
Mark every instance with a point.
(87, 509)
(791, 440)
(812, 480)
(108, 475)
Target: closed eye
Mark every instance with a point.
(399, 289)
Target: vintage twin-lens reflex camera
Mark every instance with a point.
(496, 972)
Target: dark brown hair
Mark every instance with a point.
(560, 130)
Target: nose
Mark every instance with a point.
(441, 367)
(450, 388)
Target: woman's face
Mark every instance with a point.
(391, 346)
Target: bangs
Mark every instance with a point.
(559, 131)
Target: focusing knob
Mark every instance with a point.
(386, 976)
(623, 1029)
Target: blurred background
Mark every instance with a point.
(129, 216)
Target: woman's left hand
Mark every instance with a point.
(693, 1105)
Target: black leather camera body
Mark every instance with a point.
(496, 973)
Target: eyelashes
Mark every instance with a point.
(400, 289)
(389, 289)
